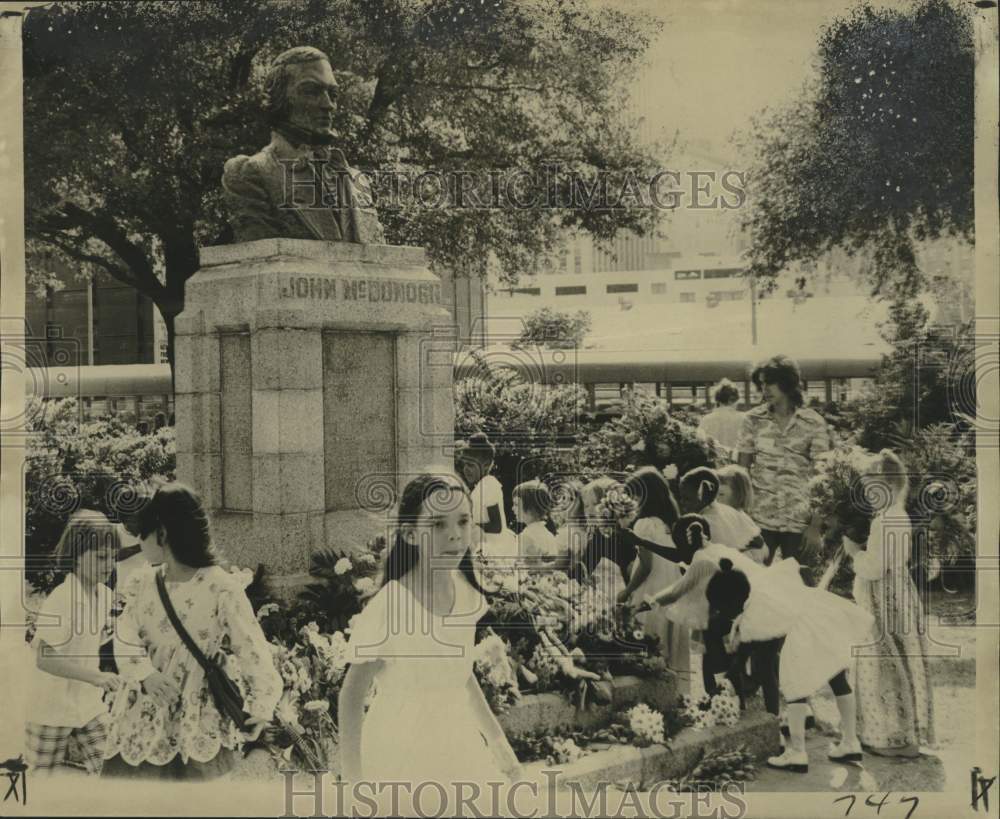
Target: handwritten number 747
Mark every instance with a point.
(913, 800)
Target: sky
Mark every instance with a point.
(718, 62)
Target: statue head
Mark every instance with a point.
(300, 89)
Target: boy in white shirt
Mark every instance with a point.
(66, 699)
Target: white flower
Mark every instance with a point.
(342, 566)
(646, 723)
(364, 585)
(266, 610)
(316, 705)
(670, 471)
(287, 710)
(639, 447)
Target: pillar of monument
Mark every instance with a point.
(312, 379)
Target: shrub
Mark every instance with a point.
(646, 434)
(72, 464)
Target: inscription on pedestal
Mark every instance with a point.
(325, 288)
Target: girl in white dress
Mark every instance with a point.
(819, 631)
(656, 514)
(699, 491)
(474, 462)
(429, 719)
(684, 602)
(532, 503)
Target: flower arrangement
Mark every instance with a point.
(709, 712)
(344, 580)
(616, 504)
(312, 669)
(716, 770)
(834, 494)
(496, 675)
(639, 725)
(647, 434)
(646, 725)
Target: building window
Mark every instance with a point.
(687, 297)
(723, 273)
(573, 290)
(527, 291)
(686, 275)
(577, 261)
(622, 288)
(659, 287)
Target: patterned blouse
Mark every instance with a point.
(216, 612)
(783, 464)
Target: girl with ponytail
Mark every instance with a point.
(685, 602)
(699, 490)
(429, 719)
(819, 630)
(895, 700)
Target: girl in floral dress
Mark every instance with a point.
(164, 722)
(656, 514)
(414, 640)
(895, 702)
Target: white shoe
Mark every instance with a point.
(795, 761)
(843, 752)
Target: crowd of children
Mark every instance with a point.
(694, 567)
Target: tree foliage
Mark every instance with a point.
(877, 152)
(555, 329)
(131, 110)
(928, 377)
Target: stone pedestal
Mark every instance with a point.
(312, 379)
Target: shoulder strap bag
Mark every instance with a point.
(225, 694)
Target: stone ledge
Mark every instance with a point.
(552, 711)
(313, 249)
(757, 730)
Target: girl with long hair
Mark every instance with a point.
(429, 719)
(164, 721)
(896, 707)
(655, 516)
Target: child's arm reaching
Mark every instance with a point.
(666, 552)
(51, 663)
(697, 572)
(639, 574)
(495, 737)
(351, 714)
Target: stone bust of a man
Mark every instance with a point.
(300, 186)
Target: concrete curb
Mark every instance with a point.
(552, 711)
(757, 730)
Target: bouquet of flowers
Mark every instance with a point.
(343, 582)
(616, 504)
(313, 669)
(646, 725)
(836, 495)
(495, 673)
(647, 434)
(708, 712)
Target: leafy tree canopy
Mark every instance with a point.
(555, 329)
(877, 152)
(131, 110)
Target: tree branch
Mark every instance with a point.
(117, 272)
(105, 229)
